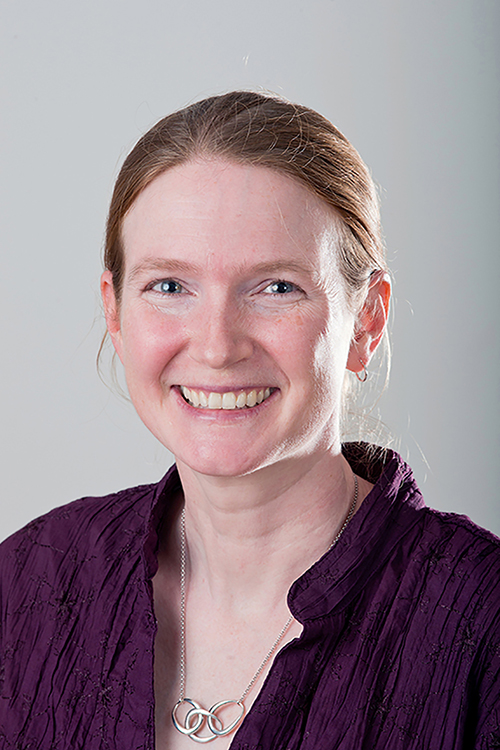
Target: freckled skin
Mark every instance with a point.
(224, 233)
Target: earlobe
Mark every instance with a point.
(371, 324)
(111, 311)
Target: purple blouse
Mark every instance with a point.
(400, 646)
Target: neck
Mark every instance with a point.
(249, 538)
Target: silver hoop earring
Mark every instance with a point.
(364, 377)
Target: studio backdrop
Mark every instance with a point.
(415, 87)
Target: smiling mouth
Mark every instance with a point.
(228, 400)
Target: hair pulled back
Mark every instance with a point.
(251, 128)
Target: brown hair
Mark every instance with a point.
(251, 128)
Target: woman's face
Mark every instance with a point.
(232, 295)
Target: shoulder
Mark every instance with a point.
(439, 541)
(460, 566)
(75, 607)
(465, 554)
(451, 579)
(86, 522)
(441, 561)
(87, 539)
(78, 565)
(454, 540)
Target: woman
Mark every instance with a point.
(277, 589)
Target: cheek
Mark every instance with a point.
(148, 346)
(330, 356)
(310, 353)
(328, 369)
(290, 341)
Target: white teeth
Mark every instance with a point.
(252, 398)
(215, 400)
(227, 400)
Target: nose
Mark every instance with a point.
(220, 336)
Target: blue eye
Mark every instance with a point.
(169, 286)
(281, 287)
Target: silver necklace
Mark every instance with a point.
(197, 717)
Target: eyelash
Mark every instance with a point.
(291, 287)
(152, 287)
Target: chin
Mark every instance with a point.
(237, 462)
(235, 466)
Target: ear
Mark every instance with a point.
(111, 312)
(371, 322)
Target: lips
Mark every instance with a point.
(240, 399)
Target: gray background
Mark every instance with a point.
(413, 84)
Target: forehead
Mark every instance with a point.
(219, 209)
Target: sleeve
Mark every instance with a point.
(25, 590)
(486, 692)
(7, 644)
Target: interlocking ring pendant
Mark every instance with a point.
(197, 718)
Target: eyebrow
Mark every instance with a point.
(282, 265)
(162, 265)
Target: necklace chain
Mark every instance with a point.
(196, 716)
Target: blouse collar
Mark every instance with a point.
(387, 513)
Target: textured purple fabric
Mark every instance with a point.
(400, 647)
